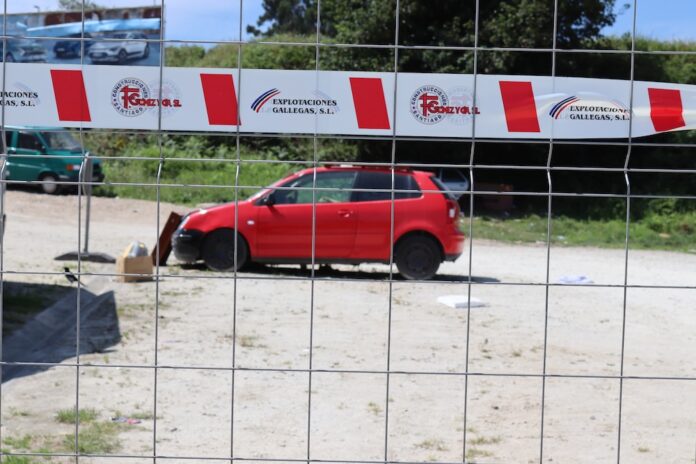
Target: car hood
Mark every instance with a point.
(31, 48)
(105, 45)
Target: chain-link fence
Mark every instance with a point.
(478, 246)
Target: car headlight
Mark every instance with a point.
(183, 222)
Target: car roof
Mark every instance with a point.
(349, 167)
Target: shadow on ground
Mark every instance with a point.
(49, 336)
(329, 272)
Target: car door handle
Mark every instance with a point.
(346, 213)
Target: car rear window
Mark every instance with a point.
(378, 186)
(443, 188)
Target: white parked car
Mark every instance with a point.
(128, 45)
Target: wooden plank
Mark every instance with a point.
(165, 239)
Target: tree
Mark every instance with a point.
(77, 5)
(502, 24)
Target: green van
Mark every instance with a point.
(43, 154)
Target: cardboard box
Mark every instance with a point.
(133, 265)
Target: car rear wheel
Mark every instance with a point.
(218, 250)
(122, 56)
(50, 184)
(9, 58)
(146, 52)
(417, 258)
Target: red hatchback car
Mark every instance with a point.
(352, 211)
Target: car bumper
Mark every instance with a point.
(31, 59)
(103, 56)
(186, 244)
(454, 246)
(75, 177)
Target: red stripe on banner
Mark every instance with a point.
(520, 109)
(370, 104)
(71, 97)
(666, 109)
(220, 99)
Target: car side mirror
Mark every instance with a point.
(268, 200)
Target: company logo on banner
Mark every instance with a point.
(132, 97)
(431, 105)
(590, 107)
(272, 101)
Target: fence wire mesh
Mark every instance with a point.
(354, 364)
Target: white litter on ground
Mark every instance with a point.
(574, 280)
(460, 301)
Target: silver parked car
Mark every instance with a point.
(24, 51)
(128, 45)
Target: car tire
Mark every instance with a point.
(122, 56)
(417, 257)
(146, 52)
(217, 250)
(9, 58)
(50, 184)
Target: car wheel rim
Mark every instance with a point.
(49, 185)
(418, 260)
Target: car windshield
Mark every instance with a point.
(23, 43)
(61, 140)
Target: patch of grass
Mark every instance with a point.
(249, 341)
(676, 231)
(478, 441)
(95, 438)
(67, 416)
(24, 442)
(17, 460)
(374, 408)
(473, 453)
(433, 444)
(14, 412)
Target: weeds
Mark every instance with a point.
(67, 416)
(95, 438)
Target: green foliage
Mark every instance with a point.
(502, 23)
(95, 438)
(77, 5)
(254, 55)
(664, 232)
(67, 416)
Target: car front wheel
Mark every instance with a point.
(49, 184)
(417, 258)
(218, 250)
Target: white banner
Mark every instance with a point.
(341, 103)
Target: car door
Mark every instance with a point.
(284, 227)
(26, 160)
(372, 202)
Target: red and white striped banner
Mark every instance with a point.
(342, 103)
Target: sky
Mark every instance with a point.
(219, 19)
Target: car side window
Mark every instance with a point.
(331, 187)
(29, 141)
(378, 186)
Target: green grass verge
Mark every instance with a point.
(95, 438)
(676, 232)
(67, 416)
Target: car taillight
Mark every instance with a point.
(452, 210)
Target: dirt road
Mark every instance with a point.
(359, 325)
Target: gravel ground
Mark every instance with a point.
(350, 311)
